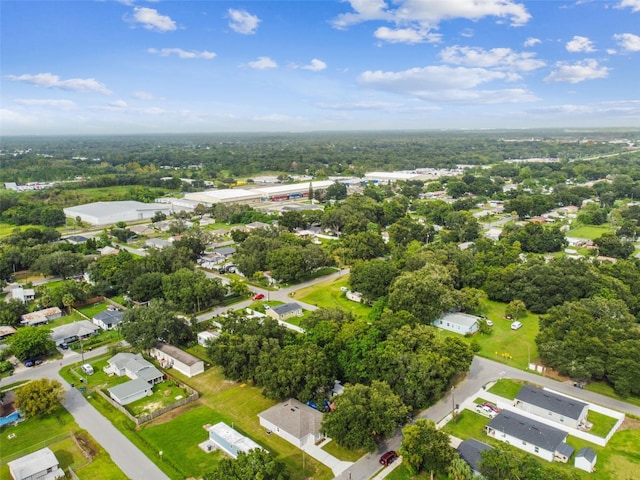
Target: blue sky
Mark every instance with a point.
(129, 66)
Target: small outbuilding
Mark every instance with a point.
(586, 459)
(131, 391)
(39, 465)
(172, 357)
(230, 441)
(206, 336)
(461, 323)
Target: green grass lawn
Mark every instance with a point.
(401, 473)
(602, 424)
(467, 424)
(343, 453)
(606, 389)
(507, 388)
(327, 294)
(91, 311)
(164, 394)
(590, 232)
(54, 431)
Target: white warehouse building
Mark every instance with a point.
(102, 213)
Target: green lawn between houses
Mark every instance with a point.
(178, 433)
(54, 431)
(590, 232)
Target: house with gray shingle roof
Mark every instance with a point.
(108, 319)
(128, 392)
(133, 365)
(282, 312)
(458, 322)
(529, 435)
(294, 421)
(551, 405)
(470, 451)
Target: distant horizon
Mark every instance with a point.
(565, 130)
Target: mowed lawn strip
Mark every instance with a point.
(507, 388)
(327, 294)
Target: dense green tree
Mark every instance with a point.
(364, 415)
(299, 371)
(459, 470)
(515, 309)
(31, 342)
(292, 220)
(11, 311)
(337, 191)
(425, 293)
(60, 263)
(39, 397)
(426, 449)
(372, 278)
(147, 286)
(257, 464)
(610, 245)
(143, 327)
(363, 245)
(191, 291)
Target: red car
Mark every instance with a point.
(388, 458)
(258, 296)
(491, 406)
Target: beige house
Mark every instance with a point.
(172, 357)
(282, 312)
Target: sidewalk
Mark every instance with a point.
(316, 451)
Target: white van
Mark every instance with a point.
(87, 369)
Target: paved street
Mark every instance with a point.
(125, 454)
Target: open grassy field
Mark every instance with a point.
(590, 232)
(91, 311)
(327, 294)
(54, 431)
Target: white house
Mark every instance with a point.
(23, 294)
(109, 319)
(230, 441)
(354, 296)
(39, 465)
(461, 323)
(529, 435)
(586, 459)
(552, 406)
(128, 392)
(133, 366)
(206, 336)
(71, 332)
(282, 312)
(172, 357)
(294, 421)
(40, 317)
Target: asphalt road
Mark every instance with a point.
(125, 454)
(482, 371)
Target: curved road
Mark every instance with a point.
(133, 463)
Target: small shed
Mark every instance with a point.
(586, 459)
(131, 391)
(206, 336)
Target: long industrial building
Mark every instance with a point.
(289, 191)
(103, 213)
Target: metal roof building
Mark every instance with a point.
(102, 213)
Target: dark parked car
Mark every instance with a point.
(64, 346)
(388, 458)
(28, 363)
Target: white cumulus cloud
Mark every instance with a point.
(406, 35)
(263, 63)
(634, 5)
(501, 58)
(49, 80)
(241, 21)
(428, 14)
(580, 44)
(628, 41)
(438, 83)
(315, 65)
(151, 19)
(180, 53)
(588, 69)
(142, 95)
(531, 42)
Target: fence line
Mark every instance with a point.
(32, 448)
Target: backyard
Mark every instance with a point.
(327, 294)
(55, 431)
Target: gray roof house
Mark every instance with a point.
(553, 406)
(39, 465)
(108, 319)
(457, 322)
(131, 391)
(133, 366)
(282, 312)
(529, 435)
(294, 421)
(72, 332)
(170, 356)
(586, 459)
(470, 451)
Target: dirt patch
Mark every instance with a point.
(170, 415)
(89, 449)
(630, 424)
